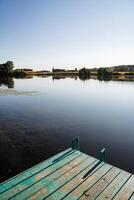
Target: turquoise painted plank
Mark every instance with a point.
(93, 191)
(127, 190)
(75, 188)
(114, 187)
(38, 176)
(55, 186)
(20, 177)
(49, 182)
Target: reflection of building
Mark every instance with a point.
(58, 77)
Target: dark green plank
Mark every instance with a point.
(38, 176)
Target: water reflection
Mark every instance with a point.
(109, 78)
(63, 77)
(7, 81)
(35, 127)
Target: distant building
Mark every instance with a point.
(59, 70)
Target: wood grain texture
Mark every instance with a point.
(70, 175)
(26, 174)
(99, 186)
(115, 186)
(27, 182)
(127, 191)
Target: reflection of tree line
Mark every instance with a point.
(87, 76)
(109, 78)
(7, 81)
(119, 73)
(7, 74)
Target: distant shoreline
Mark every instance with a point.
(7, 69)
(76, 73)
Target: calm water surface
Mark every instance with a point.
(40, 116)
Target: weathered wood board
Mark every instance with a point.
(70, 174)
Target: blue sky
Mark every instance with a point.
(67, 33)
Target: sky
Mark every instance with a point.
(42, 34)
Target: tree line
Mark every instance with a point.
(7, 69)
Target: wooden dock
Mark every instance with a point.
(70, 174)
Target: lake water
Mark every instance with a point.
(40, 116)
